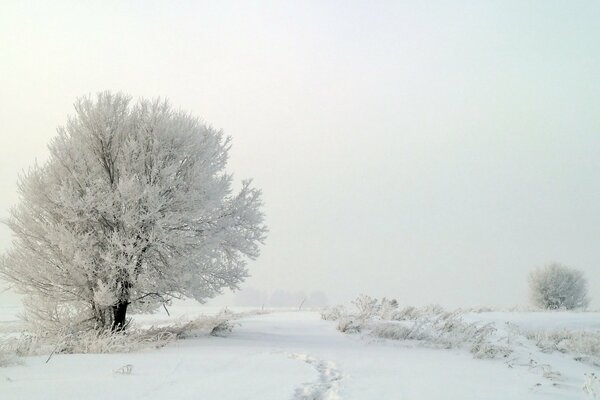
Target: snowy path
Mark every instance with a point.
(327, 384)
(279, 356)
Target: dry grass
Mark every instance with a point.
(430, 326)
(91, 341)
(582, 345)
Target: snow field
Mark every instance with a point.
(297, 355)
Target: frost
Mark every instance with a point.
(104, 296)
(431, 326)
(133, 208)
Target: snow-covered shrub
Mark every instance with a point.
(222, 328)
(395, 331)
(349, 324)
(481, 343)
(403, 314)
(556, 287)
(217, 325)
(411, 313)
(432, 309)
(366, 306)
(387, 308)
(333, 313)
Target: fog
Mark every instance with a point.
(427, 151)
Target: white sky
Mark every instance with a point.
(429, 151)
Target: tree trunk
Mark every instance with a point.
(119, 314)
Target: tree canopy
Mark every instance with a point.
(134, 207)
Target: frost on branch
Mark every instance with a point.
(133, 208)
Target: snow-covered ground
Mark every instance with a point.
(296, 355)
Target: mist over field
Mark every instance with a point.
(302, 200)
(433, 152)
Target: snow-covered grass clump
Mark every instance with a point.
(447, 331)
(38, 342)
(583, 345)
(333, 313)
(431, 326)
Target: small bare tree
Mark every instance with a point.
(556, 286)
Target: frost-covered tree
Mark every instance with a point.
(558, 287)
(134, 207)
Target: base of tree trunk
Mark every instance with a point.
(119, 314)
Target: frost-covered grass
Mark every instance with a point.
(445, 331)
(583, 345)
(33, 343)
(574, 334)
(561, 347)
(431, 326)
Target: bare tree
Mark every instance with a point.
(133, 208)
(558, 287)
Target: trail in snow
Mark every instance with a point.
(327, 385)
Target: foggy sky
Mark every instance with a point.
(428, 151)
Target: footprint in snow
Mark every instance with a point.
(327, 385)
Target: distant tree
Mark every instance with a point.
(558, 287)
(133, 208)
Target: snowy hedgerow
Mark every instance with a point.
(556, 287)
(134, 207)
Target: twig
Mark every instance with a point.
(51, 354)
(301, 304)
